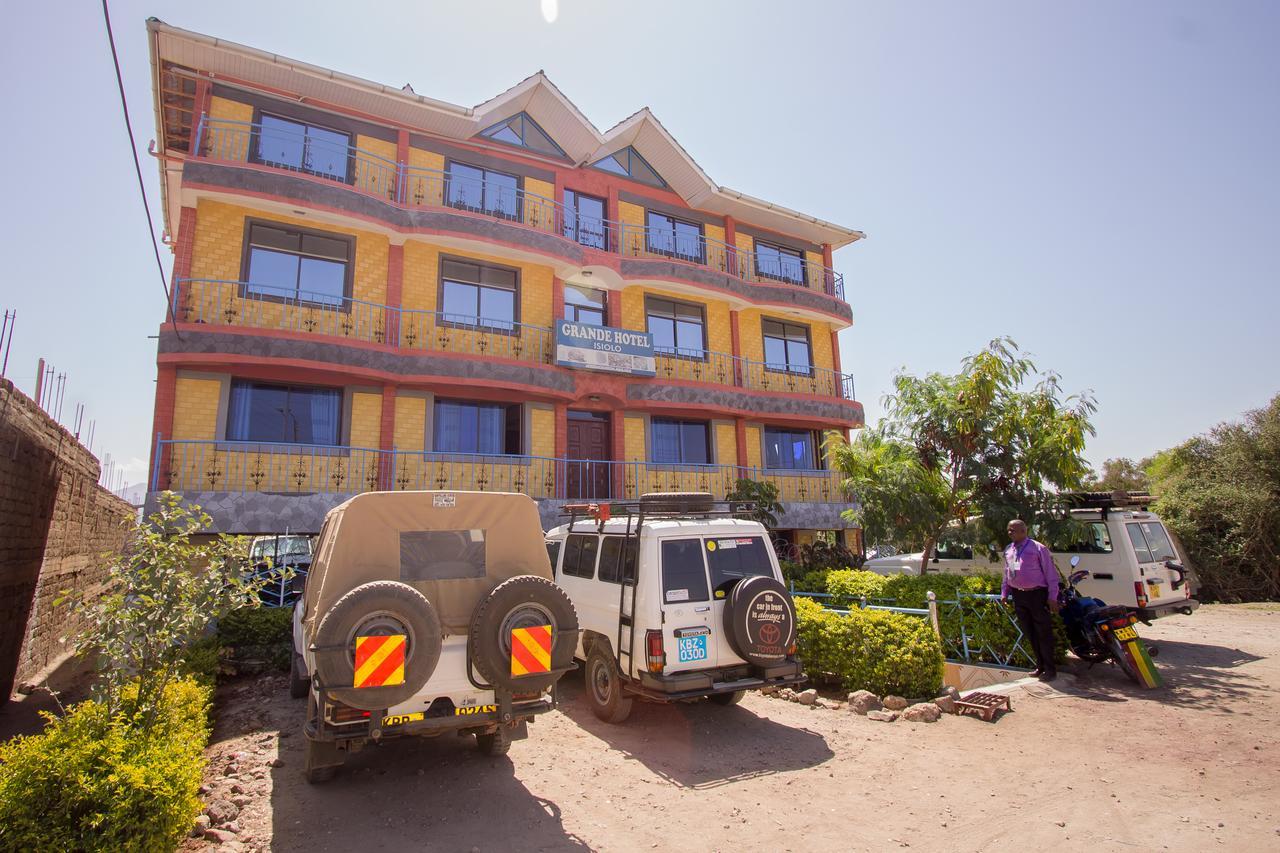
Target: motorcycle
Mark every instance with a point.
(1098, 632)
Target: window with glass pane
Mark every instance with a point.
(286, 414)
(776, 262)
(584, 305)
(482, 190)
(522, 131)
(584, 219)
(789, 449)
(666, 235)
(786, 347)
(677, 328)
(684, 575)
(478, 295)
(462, 426)
(628, 163)
(618, 558)
(679, 442)
(297, 265)
(304, 147)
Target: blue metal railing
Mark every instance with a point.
(415, 186)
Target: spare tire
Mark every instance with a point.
(377, 609)
(525, 601)
(677, 502)
(760, 620)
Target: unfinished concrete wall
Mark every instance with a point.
(56, 522)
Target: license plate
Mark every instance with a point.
(401, 719)
(1155, 590)
(691, 648)
(475, 709)
(1126, 633)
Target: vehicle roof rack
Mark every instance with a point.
(653, 506)
(1105, 501)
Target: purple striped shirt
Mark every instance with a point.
(1028, 566)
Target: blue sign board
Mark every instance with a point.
(604, 348)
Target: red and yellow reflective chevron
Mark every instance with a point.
(380, 661)
(530, 650)
(1147, 672)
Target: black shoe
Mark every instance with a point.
(1047, 676)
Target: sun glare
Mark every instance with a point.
(550, 10)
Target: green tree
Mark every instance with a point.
(1123, 474)
(899, 500)
(1000, 436)
(160, 597)
(1220, 493)
(762, 495)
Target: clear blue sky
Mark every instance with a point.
(1100, 180)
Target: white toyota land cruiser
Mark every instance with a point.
(678, 599)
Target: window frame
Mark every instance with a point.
(518, 216)
(255, 146)
(577, 217)
(514, 331)
(246, 248)
(808, 341)
(603, 309)
(627, 171)
(649, 299)
(682, 422)
(523, 145)
(781, 250)
(568, 549)
(649, 229)
(507, 431)
(662, 566)
(289, 388)
(813, 444)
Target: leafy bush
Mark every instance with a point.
(92, 781)
(258, 634)
(763, 496)
(849, 586)
(871, 650)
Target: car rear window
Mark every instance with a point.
(732, 558)
(1093, 538)
(684, 577)
(553, 552)
(580, 555)
(611, 567)
(1151, 542)
(437, 555)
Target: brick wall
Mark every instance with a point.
(55, 523)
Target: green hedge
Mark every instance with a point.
(91, 783)
(871, 650)
(990, 629)
(256, 626)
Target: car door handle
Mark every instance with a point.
(701, 609)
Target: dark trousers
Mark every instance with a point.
(1032, 609)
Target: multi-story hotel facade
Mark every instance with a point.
(373, 289)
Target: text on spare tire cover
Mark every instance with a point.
(768, 624)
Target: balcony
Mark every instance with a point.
(191, 467)
(412, 188)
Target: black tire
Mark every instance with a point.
(378, 608)
(299, 684)
(677, 502)
(1121, 657)
(495, 743)
(728, 699)
(760, 620)
(604, 686)
(524, 601)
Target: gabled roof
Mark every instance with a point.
(536, 95)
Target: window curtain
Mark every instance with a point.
(324, 418)
(238, 412)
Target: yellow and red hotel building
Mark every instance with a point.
(373, 289)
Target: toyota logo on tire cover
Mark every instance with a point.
(768, 624)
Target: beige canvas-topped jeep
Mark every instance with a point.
(426, 613)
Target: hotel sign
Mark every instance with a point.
(604, 348)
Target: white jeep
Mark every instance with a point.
(426, 613)
(678, 598)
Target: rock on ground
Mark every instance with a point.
(221, 811)
(925, 712)
(882, 716)
(808, 697)
(862, 701)
(895, 703)
(945, 704)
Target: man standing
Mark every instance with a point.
(1032, 580)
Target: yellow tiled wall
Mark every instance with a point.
(411, 421)
(542, 432)
(726, 444)
(366, 419)
(223, 108)
(378, 147)
(634, 439)
(195, 409)
(630, 214)
(755, 444)
(425, 184)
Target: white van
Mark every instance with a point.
(677, 600)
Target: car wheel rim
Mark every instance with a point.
(601, 683)
(529, 615)
(381, 623)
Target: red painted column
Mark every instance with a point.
(618, 422)
(402, 163)
(740, 433)
(828, 276)
(739, 373)
(162, 422)
(731, 240)
(395, 293)
(387, 438)
(611, 212)
(183, 249)
(613, 309)
(835, 363)
(562, 447)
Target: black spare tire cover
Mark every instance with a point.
(760, 620)
(379, 608)
(525, 601)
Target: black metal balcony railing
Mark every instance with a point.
(414, 186)
(242, 466)
(215, 302)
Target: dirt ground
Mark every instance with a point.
(1092, 762)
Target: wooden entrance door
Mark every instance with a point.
(587, 474)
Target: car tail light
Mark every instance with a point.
(792, 649)
(1122, 621)
(341, 715)
(1140, 593)
(657, 654)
